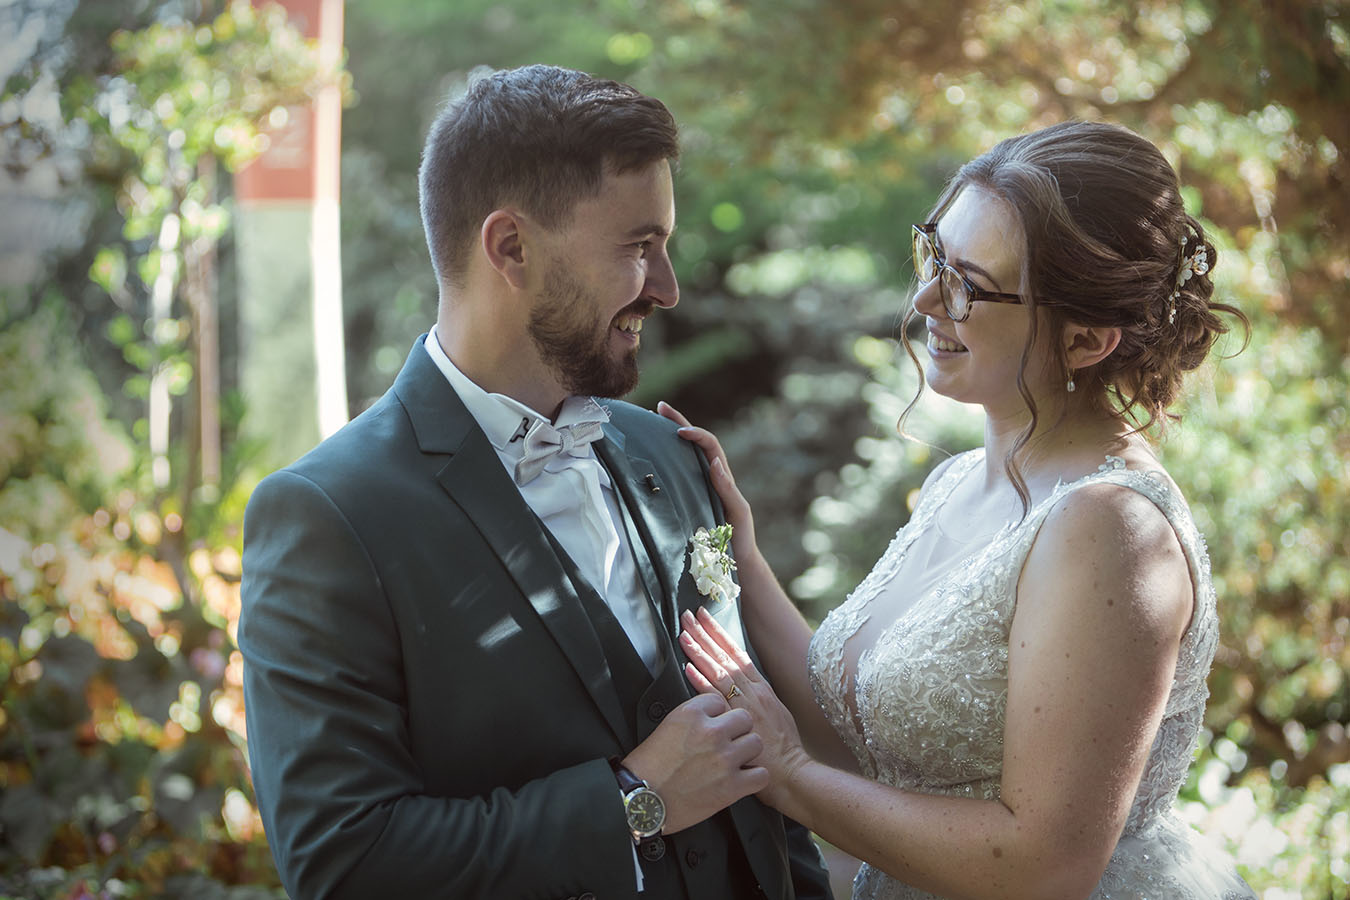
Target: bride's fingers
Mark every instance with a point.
(718, 464)
(672, 414)
(725, 641)
(701, 684)
(718, 651)
(704, 663)
(705, 645)
(722, 478)
(706, 441)
(712, 447)
(721, 471)
(706, 676)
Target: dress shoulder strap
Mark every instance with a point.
(958, 467)
(1200, 641)
(1161, 492)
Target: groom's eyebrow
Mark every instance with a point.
(653, 229)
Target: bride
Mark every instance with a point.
(1009, 702)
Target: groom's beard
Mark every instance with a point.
(574, 341)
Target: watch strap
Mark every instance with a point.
(652, 847)
(628, 782)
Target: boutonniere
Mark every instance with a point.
(711, 564)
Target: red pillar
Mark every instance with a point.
(301, 162)
(292, 355)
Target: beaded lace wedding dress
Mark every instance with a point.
(931, 684)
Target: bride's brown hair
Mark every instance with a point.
(1106, 233)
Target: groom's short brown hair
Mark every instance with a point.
(540, 138)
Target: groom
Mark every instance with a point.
(458, 611)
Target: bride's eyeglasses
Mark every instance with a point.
(954, 287)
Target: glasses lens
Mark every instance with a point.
(954, 294)
(925, 257)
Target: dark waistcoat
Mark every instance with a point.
(706, 860)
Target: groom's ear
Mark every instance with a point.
(502, 242)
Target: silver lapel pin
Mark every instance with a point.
(651, 483)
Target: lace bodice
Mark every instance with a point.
(931, 692)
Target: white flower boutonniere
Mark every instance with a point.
(711, 564)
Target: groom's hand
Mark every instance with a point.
(698, 759)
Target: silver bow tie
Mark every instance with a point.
(543, 442)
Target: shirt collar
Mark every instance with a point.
(502, 417)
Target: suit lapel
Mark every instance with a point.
(660, 527)
(654, 518)
(665, 534)
(476, 481)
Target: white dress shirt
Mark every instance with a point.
(574, 498)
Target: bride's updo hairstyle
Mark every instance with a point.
(1110, 244)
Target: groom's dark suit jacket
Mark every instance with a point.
(430, 707)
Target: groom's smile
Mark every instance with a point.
(607, 269)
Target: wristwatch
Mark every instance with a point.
(645, 811)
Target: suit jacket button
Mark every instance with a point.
(692, 857)
(656, 711)
(587, 895)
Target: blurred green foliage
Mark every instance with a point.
(814, 133)
(121, 741)
(121, 738)
(1265, 454)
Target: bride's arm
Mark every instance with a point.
(1103, 601)
(776, 628)
(781, 635)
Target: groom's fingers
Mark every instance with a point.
(694, 759)
(746, 748)
(754, 778)
(709, 706)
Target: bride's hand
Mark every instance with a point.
(733, 501)
(718, 665)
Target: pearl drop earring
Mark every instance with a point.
(1070, 385)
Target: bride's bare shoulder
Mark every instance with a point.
(1108, 539)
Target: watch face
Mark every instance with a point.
(646, 812)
